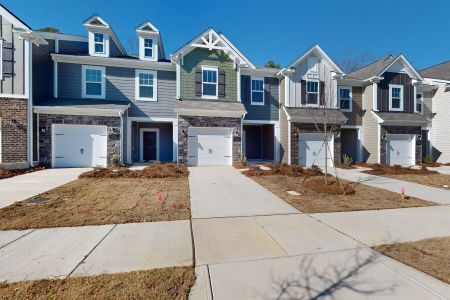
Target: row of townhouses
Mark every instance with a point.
(75, 101)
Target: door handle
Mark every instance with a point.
(81, 150)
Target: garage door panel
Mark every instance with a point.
(399, 148)
(209, 146)
(312, 150)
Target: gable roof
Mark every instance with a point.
(147, 27)
(15, 20)
(439, 71)
(318, 51)
(379, 67)
(95, 21)
(212, 40)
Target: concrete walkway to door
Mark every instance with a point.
(22, 187)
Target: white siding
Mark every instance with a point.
(441, 124)
(369, 129)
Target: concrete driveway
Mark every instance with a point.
(22, 187)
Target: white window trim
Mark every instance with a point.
(145, 48)
(421, 102)
(142, 48)
(351, 98)
(391, 86)
(83, 79)
(318, 93)
(251, 90)
(1, 58)
(105, 52)
(155, 85)
(216, 69)
(99, 43)
(141, 142)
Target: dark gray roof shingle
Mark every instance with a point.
(85, 103)
(440, 71)
(316, 115)
(373, 69)
(401, 118)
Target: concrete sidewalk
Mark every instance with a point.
(24, 186)
(91, 250)
(420, 191)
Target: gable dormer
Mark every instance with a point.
(102, 40)
(150, 44)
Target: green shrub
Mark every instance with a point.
(347, 160)
(115, 161)
(429, 159)
(243, 160)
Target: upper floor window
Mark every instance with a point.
(146, 85)
(257, 92)
(312, 92)
(419, 103)
(395, 97)
(99, 42)
(209, 82)
(345, 98)
(148, 48)
(93, 78)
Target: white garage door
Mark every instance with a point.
(209, 147)
(399, 149)
(312, 150)
(79, 146)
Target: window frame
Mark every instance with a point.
(307, 93)
(145, 47)
(401, 87)
(84, 68)
(100, 43)
(350, 107)
(257, 78)
(1, 61)
(215, 69)
(421, 102)
(155, 85)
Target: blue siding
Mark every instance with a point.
(73, 47)
(114, 50)
(165, 140)
(270, 110)
(43, 72)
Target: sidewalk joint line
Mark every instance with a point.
(26, 234)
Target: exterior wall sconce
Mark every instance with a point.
(338, 134)
(419, 137)
(236, 133)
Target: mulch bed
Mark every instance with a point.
(378, 169)
(156, 170)
(239, 165)
(11, 173)
(282, 169)
(345, 167)
(332, 188)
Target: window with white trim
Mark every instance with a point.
(257, 90)
(99, 42)
(93, 78)
(146, 85)
(312, 92)
(148, 48)
(345, 98)
(419, 103)
(209, 82)
(395, 97)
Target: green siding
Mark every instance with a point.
(199, 57)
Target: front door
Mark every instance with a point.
(149, 145)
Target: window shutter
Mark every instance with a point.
(198, 82)
(8, 59)
(322, 93)
(221, 81)
(246, 88)
(303, 92)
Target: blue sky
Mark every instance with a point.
(262, 31)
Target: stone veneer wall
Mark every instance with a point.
(298, 128)
(417, 131)
(14, 125)
(184, 122)
(45, 133)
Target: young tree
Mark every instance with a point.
(49, 29)
(353, 60)
(272, 64)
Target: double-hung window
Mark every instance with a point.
(419, 103)
(209, 83)
(395, 97)
(312, 92)
(93, 78)
(345, 98)
(99, 42)
(257, 92)
(148, 48)
(146, 85)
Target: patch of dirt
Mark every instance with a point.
(435, 180)
(431, 256)
(381, 170)
(164, 284)
(345, 167)
(4, 173)
(331, 188)
(430, 164)
(316, 201)
(282, 169)
(91, 201)
(155, 170)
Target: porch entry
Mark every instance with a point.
(258, 142)
(149, 144)
(151, 141)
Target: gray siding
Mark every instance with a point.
(69, 81)
(114, 49)
(72, 47)
(43, 72)
(268, 111)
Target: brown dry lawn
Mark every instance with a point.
(310, 201)
(168, 283)
(92, 201)
(436, 180)
(431, 256)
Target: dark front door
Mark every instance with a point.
(149, 145)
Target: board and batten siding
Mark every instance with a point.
(268, 111)
(203, 57)
(408, 91)
(120, 86)
(13, 84)
(370, 128)
(356, 115)
(441, 124)
(301, 73)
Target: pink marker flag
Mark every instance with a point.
(402, 190)
(160, 197)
